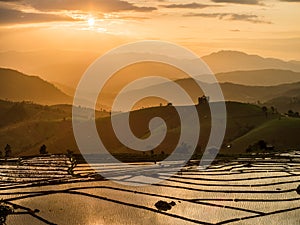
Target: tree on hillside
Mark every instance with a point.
(73, 161)
(262, 144)
(291, 113)
(152, 152)
(7, 151)
(43, 150)
(265, 110)
(273, 109)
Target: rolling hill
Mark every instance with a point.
(266, 77)
(281, 133)
(16, 86)
(52, 126)
(273, 93)
(231, 92)
(26, 125)
(285, 103)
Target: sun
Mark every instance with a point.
(91, 22)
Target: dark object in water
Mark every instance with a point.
(172, 203)
(164, 206)
(298, 190)
(5, 210)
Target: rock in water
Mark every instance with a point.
(164, 206)
(172, 203)
(298, 190)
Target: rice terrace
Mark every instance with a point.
(257, 190)
(155, 112)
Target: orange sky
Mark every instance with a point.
(266, 27)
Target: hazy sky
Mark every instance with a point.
(266, 27)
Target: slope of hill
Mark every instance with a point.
(16, 86)
(267, 77)
(231, 92)
(226, 61)
(282, 133)
(53, 65)
(274, 95)
(52, 126)
(12, 113)
(288, 101)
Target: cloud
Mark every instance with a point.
(229, 16)
(11, 16)
(290, 0)
(247, 2)
(90, 5)
(193, 5)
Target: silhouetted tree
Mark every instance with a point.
(152, 152)
(290, 113)
(69, 153)
(249, 148)
(8, 151)
(273, 109)
(262, 144)
(73, 161)
(43, 150)
(265, 110)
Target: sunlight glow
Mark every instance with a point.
(91, 22)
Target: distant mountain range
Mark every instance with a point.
(269, 95)
(16, 86)
(67, 67)
(265, 77)
(227, 61)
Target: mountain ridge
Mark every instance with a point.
(17, 86)
(50, 64)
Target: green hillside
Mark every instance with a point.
(26, 126)
(52, 126)
(282, 133)
(290, 100)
